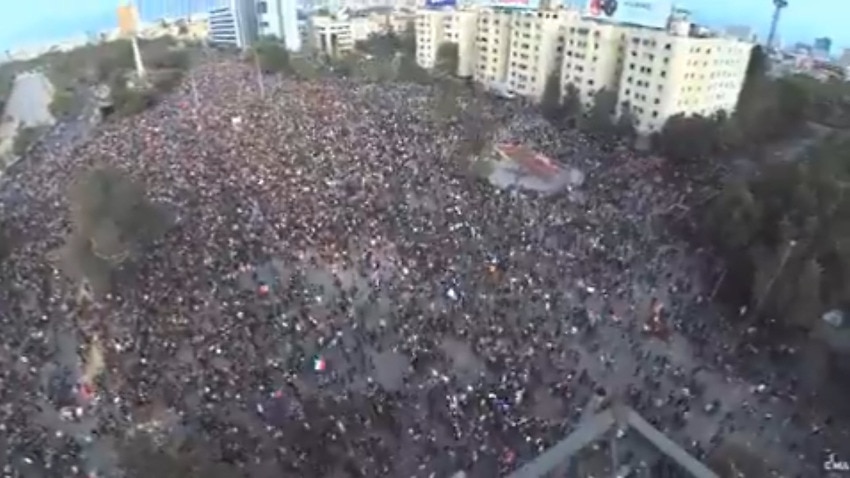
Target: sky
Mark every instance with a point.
(28, 22)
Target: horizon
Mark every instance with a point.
(794, 26)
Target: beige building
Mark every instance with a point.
(664, 75)
(435, 27)
(431, 31)
(337, 34)
(658, 73)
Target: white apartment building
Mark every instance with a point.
(493, 42)
(336, 36)
(664, 75)
(234, 24)
(535, 50)
(658, 73)
(430, 33)
(279, 19)
(434, 27)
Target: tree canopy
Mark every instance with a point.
(112, 222)
(600, 119)
(550, 100)
(272, 56)
(447, 59)
(786, 234)
(571, 102)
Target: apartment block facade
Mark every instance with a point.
(233, 24)
(434, 27)
(657, 73)
(279, 19)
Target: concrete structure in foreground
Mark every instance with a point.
(604, 423)
(657, 72)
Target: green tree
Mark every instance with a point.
(62, 103)
(572, 102)
(625, 126)
(127, 100)
(272, 56)
(687, 138)
(787, 229)
(447, 59)
(25, 138)
(735, 217)
(550, 100)
(730, 137)
(599, 121)
(756, 74)
(407, 39)
(407, 70)
(114, 57)
(384, 45)
(112, 222)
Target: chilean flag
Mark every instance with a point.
(319, 364)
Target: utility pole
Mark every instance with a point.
(137, 57)
(134, 41)
(778, 6)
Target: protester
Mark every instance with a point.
(338, 296)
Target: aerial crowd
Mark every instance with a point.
(340, 296)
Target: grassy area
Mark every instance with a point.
(26, 137)
(73, 71)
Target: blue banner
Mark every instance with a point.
(440, 3)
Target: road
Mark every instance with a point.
(29, 101)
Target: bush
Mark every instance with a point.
(26, 137)
(112, 221)
(165, 81)
(272, 56)
(171, 59)
(62, 103)
(131, 101)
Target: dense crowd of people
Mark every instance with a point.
(338, 297)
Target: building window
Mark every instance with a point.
(262, 7)
(264, 24)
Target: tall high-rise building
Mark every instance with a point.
(656, 72)
(279, 18)
(234, 24)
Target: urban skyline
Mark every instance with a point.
(28, 24)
